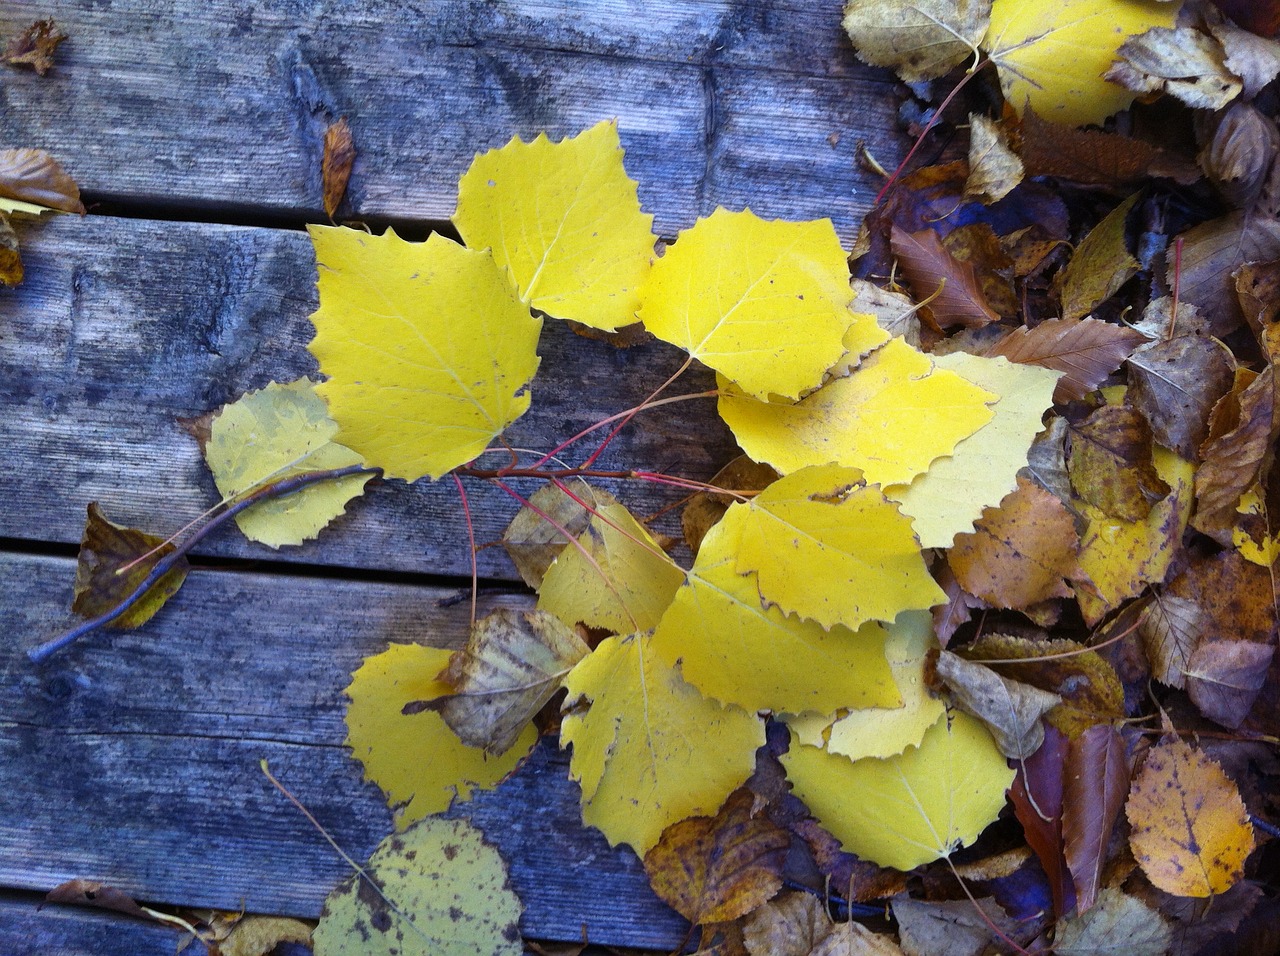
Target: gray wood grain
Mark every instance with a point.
(123, 326)
(26, 930)
(221, 105)
(133, 758)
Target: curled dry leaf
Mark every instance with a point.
(920, 40)
(1100, 266)
(894, 311)
(1095, 784)
(97, 895)
(1175, 384)
(1037, 797)
(35, 47)
(797, 924)
(994, 169)
(1240, 153)
(1110, 461)
(715, 869)
(102, 582)
(1239, 446)
(1182, 62)
(1224, 678)
(706, 507)
(1011, 710)
(1253, 58)
(537, 534)
(951, 287)
(512, 664)
(1190, 831)
(1086, 351)
(255, 935)
(33, 176)
(335, 166)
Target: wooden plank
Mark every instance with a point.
(124, 325)
(222, 106)
(133, 757)
(71, 931)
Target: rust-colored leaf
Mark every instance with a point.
(35, 46)
(1224, 678)
(948, 617)
(1234, 597)
(1095, 786)
(1175, 384)
(1235, 458)
(706, 508)
(715, 869)
(335, 167)
(1190, 831)
(102, 584)
(1093, 157)
(1037, 795)
(11, 271)
(32, 175)
(929, 268)
(1086, 351)
(1211, 253)
(1110, 463)
(1020, 553)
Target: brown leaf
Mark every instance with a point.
(1085, 350)
(35, 47)
(1258, 290)
(1110, 463)
(1175, 385)
(1037, 795)
(1182, 62)
(1095, 786)
(1047, 461)
(1190, 831)
(1011, 710)
(894, 312)
(1225, 677)
(1255, 59)
(1240, 153)
(533, 542)
(1235, 457)
(715, 869)
(260, 935)
(32, 175)
(706, 508)
(948, 617)
(512, 664)
(91, 893)
(929, 268)
(1211, 253)
(796, 924)
(101, 585)
(978, 245)
(951, 928)
(1118, 924)
(1100, 266)
(1018, 554)
(1090, 690)
(335, 167)
(11, 271)
(1093, 157)
(1233, 596)
(855, 879)
(1160, 320)
(994, 168)
(1171, 629)
(1258, 16)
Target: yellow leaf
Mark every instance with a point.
(1190, 830)
(419, 763)
(620, 580)
(1101, 264)
(921, 40)
(733, 648)
(829, 548)
(648, 749)
(437, 889)
(890, 417)
(884, 731)
(1052, 53)
(909, 809)
(948, 498)
(1264, 552)
(426, 345)
(564, 221)
(273, 433)
(762, 301)
(1122, 557)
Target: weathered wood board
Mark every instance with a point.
(133, 757)
(221, 106)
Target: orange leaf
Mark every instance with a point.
(1190, 830)
(929, 269)
(335, 167)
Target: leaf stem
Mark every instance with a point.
(279, 489)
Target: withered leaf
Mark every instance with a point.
(1232, 596)
(994, 168)
(977, 244)
(1093, 157)
(512, 664)
(1234, 458)
(796, 924)
(1161, 320)
(1119, 923)
(533, 540)
(1086, 351)
(1095, 785)
(1110, 463)
(950, 928)
(335, 166)
(101, 584)
(11, 270)
(35, 47)
(1090, 690)
(1011, 710)
(1175, 385)
(948, 617)
(715, 869)
(1253, 58)
(1239, 154)
(1211, 253)
(1182, 62)
(1225, 677)
(921, 40)
(1020, 553)
(706, 508)
(894, 312)
(255, 935)
(1047, 460)
(1037, 795)
(932, 271)
(1258, 289)
(1171, 627)
(1101, 264)
(32, 175)
(92, 893)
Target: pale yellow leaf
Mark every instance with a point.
(648, 749)
(994, 168)
(922, 39)
(564, 221)
(277, 432)
(426, 345)
(1182, 62)
(764, 302)
(891, 417)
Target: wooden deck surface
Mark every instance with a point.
(194, 130)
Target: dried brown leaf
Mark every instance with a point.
(994, 169)
(533, 541)
(1110, 463)
(1234, 597)
(260, 935)
(792, 925)
(950, 928)
(894, 312)
(706, 508)
(1258, 289)
(1211, 253)
(1037, 795)
(1093, 157)
(1086, 351)
(1160, 320)
(1239, 456)
(1119, 923)
(32, 175)
(948, 617)
(1096, 783)
(1100, 266)
(929, 268)
(1255, 59)
(335, 166)
(1224, 678)
(716, 869)
(101, 584)
(35, 47)
(94, 894)
(1011, 710)
(1175, 384)
(11, 270)
(1182, 62)
(1240, 153)
(1171, 628)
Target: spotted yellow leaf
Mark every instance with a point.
(426, 346)
(764, 302)
(564, 221)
